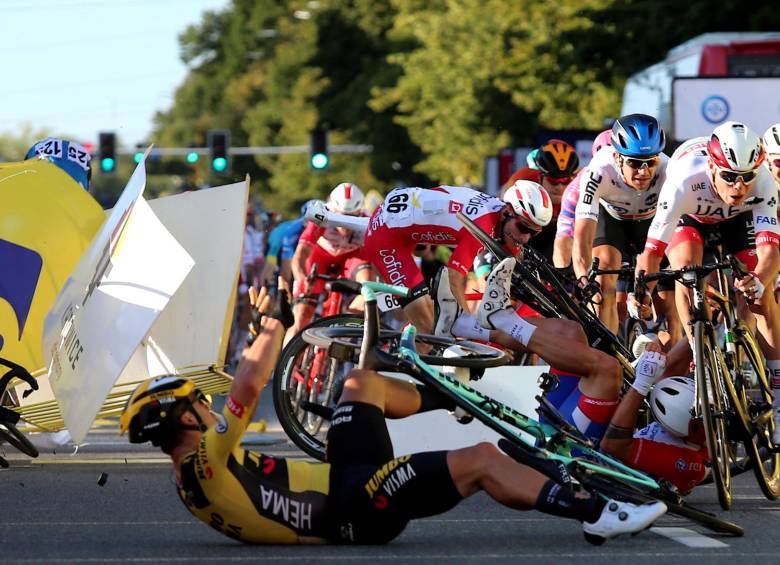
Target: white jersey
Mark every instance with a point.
(602, 183)
(435, 208)
(688, 190)
(657, 433)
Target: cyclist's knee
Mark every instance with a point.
(571, 331)
(362, 385)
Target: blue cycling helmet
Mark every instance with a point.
(638, 135)
(71, 157)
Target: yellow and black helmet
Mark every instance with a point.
(150, 413)
(557, 159)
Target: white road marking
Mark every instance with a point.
(688, 537)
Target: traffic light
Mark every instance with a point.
(192, 157)
(219, 150)
(107, 151)
(139, 152)
(318, 152)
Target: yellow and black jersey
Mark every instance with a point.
(249, 496)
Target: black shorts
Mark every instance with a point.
(735, 235)
(372, 494)
(627, 236)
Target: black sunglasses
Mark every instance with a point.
(525, 229)
(731, 177)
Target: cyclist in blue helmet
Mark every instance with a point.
(638, 135)
(71, 157)
(617, 202)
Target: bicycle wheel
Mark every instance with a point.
(756, 395)
(305, 372)
(9, 434)
(476, 356)
(711, 399)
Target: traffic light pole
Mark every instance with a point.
(255, 150)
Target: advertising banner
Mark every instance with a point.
(112, 299)
(699, 105)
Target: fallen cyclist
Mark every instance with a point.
(364, 495)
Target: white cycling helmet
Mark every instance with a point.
(736, 147)
(772, 140)
(671, 401)
(530, 201)
(346, 198)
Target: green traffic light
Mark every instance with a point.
(192, 157)
(107, 164)
(138, 156)
(319, 161)
(219, 164)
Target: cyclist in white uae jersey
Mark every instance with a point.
(720, 184)
(618, 195)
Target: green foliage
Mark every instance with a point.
(434, 86)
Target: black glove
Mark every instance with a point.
(279, 308)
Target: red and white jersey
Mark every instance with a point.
(336, 241)
(688, 190)
(602, 183)
(427, 216)
(657, 452)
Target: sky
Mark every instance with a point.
(78, 67)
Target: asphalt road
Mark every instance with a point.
(54, 511)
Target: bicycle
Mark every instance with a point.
(555, 448)
(304, 416)
(730, 399)
(9, 418)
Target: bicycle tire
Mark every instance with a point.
(756, 395)
(479, 356)
(712, 412)
(9, 434)
(287, 396)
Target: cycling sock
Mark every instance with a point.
(466, 326)
(560, 501)
(509, 322)
(774, 379)
(432, 400)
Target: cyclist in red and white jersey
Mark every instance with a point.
(618, 196)
(718, 185)
(333, 250)
(672, 446)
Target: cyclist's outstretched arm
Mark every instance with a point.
(258, 361)
(582, 251)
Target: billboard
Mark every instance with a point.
(701, 104)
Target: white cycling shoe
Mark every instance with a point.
(622, 518)
(445, 308)
(641, 342)
(496, 296)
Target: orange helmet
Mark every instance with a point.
(558, 159)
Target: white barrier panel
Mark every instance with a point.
(514, 386)
(107, 307)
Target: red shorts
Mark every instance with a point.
(391, 251)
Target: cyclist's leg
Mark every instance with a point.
(357, 268)
(562, 343)
(686, 248)
(391, 252)
(609, 257)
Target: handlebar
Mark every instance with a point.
(20, 373)
(688, 276)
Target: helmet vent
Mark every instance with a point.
(634, 131)
(732, 155)
(670, 391)
(660, 407)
